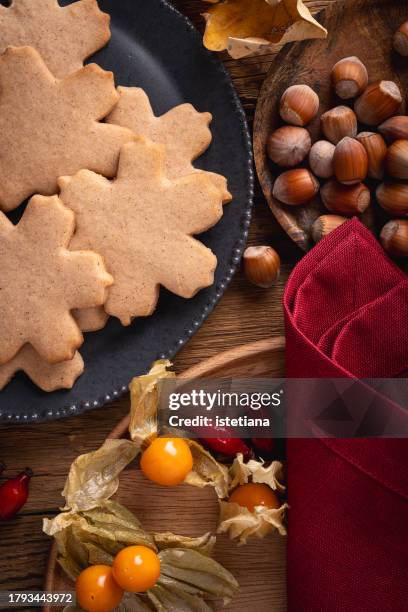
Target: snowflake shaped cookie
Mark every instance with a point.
(47, 376)
(64, 36)
(41, 281)
(50, 127)
(182, 130)
(142, 224)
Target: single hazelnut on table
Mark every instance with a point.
(397, 159)
(349, 77)
(394, 128)
(345, 200)
(261, 265)
(378, 102)
(339, 122)
(321, 158)
(393, 197)
(299, 104)
(295, 187)
(400, 40)
(288, 145)
(326, 224)
(376, 149)
(350, 161)
(394, 237)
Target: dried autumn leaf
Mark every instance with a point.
(245, 26)
(94, 477)
(144, 399)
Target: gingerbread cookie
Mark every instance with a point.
(42, 281)
(63, 35)
(182, 130)
(50, 127)
(91, 319)
(49, 377)
(142, 224)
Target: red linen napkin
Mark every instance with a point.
(346, 312)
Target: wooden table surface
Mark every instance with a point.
(244, 314)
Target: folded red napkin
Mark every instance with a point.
(346, 311)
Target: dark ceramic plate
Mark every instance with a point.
(155, 47)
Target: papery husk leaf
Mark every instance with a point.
(94, 477)
(207, 471)
(245, 26)
(206, 575)
(203, 544)
(132, 602)
(255, 471)
(240, 523)
(175, 600)
(144, 399)
(95, 536)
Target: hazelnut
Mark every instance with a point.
(394, 237)
(321, 158)
(350, 161)
(393, 197)
(261, 265)
(376, 149)
(338, 123)
(295, 187)
(400, 40)
(288, 145)
(397, 159)
(394, 128)
(345, 199)
(349, 77)
(378, 102)
(299, 104)
(326, 224)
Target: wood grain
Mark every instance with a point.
(260, 566)
(353, 25)
(244, 314)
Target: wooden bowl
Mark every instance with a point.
(259, 566)
(356, 27)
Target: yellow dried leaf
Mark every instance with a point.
(244, 26)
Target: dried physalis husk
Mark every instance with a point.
(239, 522)
(95, 536)
(204, 544)
(188, 575)
(94, 477)
(245, 26)
(207, 471)
(144, 394)
(144, 400)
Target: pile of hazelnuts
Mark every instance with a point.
(346, 157)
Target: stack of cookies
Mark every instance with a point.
(114, 198)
